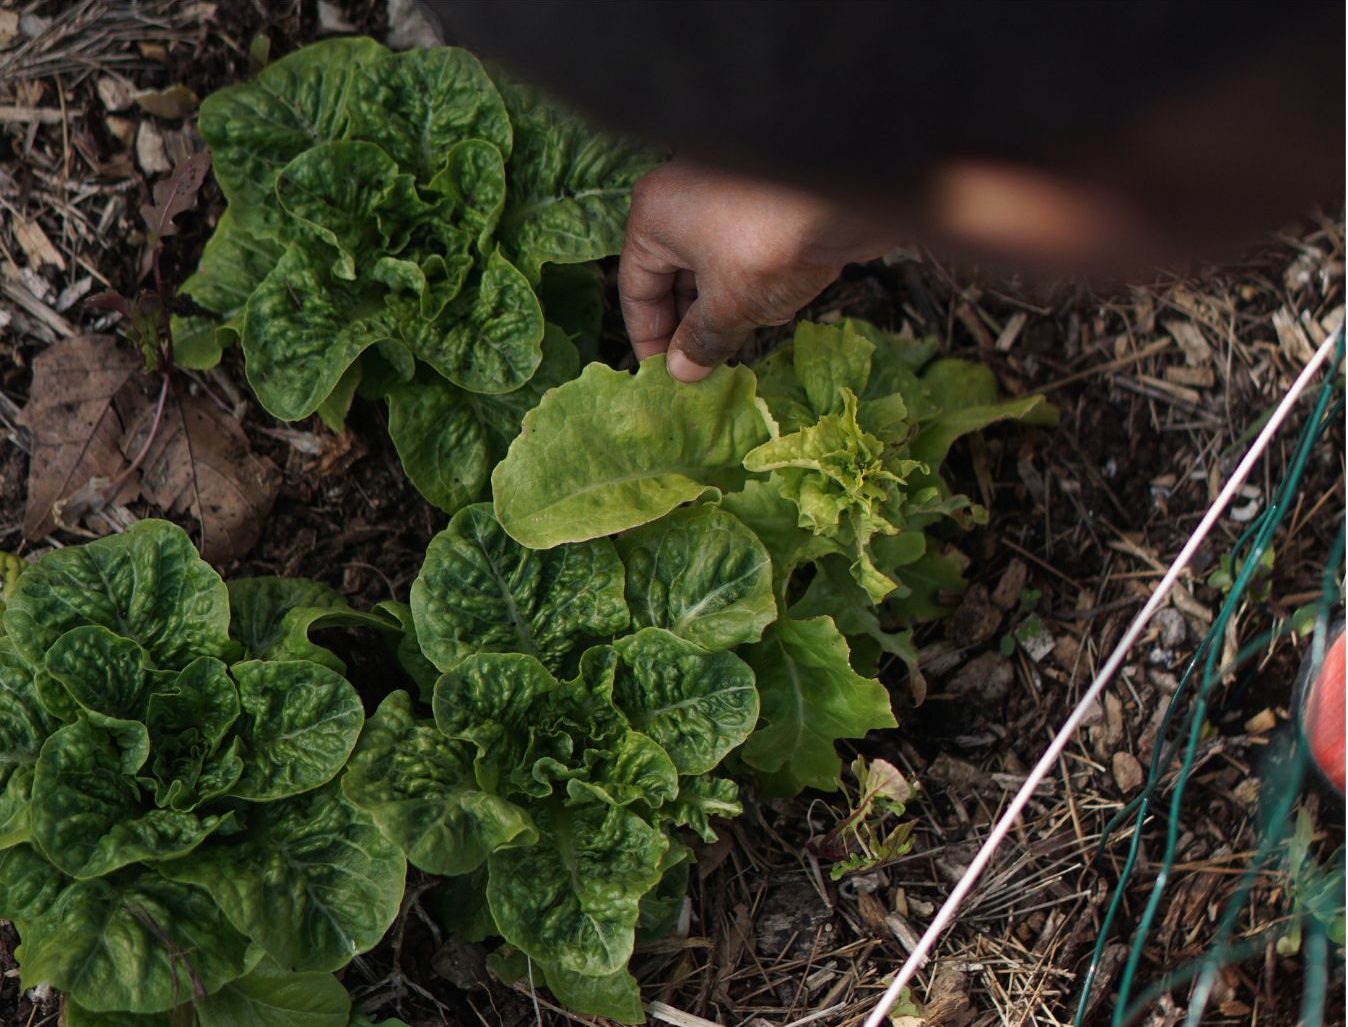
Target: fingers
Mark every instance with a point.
(710, 333)
(646, 293)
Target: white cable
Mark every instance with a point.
(1055, 748)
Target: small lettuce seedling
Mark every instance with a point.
(393, 221)
(829, 453)
(585, 699)
(171, 830)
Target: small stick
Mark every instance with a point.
(1056, 747)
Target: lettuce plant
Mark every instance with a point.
(405, 225)
(829, 453)
(585, 697)
(172, 833)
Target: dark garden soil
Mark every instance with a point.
(1158, 385)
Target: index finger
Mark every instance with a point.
(646, 295)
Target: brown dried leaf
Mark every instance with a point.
(172, 196)
(174, 103)
(76, 430)
(199, 462)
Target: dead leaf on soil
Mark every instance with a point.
(199, 462)
(173, 196)
(173, 104)
(76, 429)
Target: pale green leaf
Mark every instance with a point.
(611, 451)
(272, 997)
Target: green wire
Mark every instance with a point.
(1258, 537)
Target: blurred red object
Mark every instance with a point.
(1322, 714)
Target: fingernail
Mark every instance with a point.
(686, 370)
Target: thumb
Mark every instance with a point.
(709, 334)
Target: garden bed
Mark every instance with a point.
(1157, 385)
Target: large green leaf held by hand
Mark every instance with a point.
(147, 585)
(480, 591)
(419, 787)
(569, 189)
(611, 451)
(811, 696)
(312, 879)
(257, 127)
(702, 574)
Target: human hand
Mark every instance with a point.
(710, 256)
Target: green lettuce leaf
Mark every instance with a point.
(479, 591)
(965, 393)
(271, 997)
(611, 451)
(187, 721)
(147, 584)
(572, 900)
(569, 188)
(299, 723)
(103, 672)
(32, 886)
(24, 726)
(87, 814)
(419, 787)
(93, 934)
(573, 299)
(702, 799)
(303, 327)
(474, 180)
(701, 574)
(614, 995)
(417, 105)
(695, 704)
(255, 128)
(811, 697)
(312, 880)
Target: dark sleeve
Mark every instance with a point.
(876, 90)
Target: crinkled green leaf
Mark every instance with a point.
(701, 574)
(572, 900)
(133, 941)
(271, 997)
(474, 180)
(417, 105)
(255, 128)
(147, 584)
(187, 721)
(570, 188)
(490, 337)
(611, 451)
(491, 700)
(696, 704)
(834, 592)
(827, 360)
(480, 591)
(303, 328)
(811, 697)
(448, 439)
(241, 252)
(702, 799)
(345, 194)
(419, 787)
(102, 671)
(87, 815)
(408, 649)
(312, 880)
(935, 582)
(24, 726)
(434, 280)
(299, 723)
(32, 885)
(633, 769)
(614, 995)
